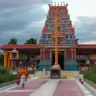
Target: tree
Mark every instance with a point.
(31, 41)
(13, 41)
(1, 59)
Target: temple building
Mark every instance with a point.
(71, 55)
(66, 39)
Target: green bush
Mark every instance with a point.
(91, 74)
(6, 76)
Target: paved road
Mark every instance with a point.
(47, 87)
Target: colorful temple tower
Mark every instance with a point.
(66, 39)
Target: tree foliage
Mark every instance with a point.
(1, 59)
(13, 41)
(31, 41)
(91, 74)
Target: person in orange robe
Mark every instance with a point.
(23, 75)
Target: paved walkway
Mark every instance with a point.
(47, 87)
(90, 88)
(68, 88)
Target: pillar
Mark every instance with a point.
(63, 41)
(41, 53)
(72, 54)
(5, 58)
(51, 55)
(65, 54)
(9, 61)
(69, 53)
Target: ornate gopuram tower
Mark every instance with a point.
(66, 40)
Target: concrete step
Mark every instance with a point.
(64, 74)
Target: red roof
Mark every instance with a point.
(87, 46)
(26, 46)
(34, 46)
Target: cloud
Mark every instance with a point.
(37, 24)
(18, 22)
(21, 3)
(85, 29)
(90, 42)
(18, 19)
(24, 19)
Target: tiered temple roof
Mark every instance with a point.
(66, 35)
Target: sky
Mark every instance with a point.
(24, 19)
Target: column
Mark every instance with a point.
(51, 55)
(69, 53)
(65, 54)
(9, 61)
(63, 41)
(5, 58)
(72, 54)
(41, 53)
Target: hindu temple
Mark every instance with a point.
(71, 55)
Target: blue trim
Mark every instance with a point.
(44, 65)
(71, 67)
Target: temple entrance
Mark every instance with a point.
(60, 59)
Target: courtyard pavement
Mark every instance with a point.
(47, 87)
